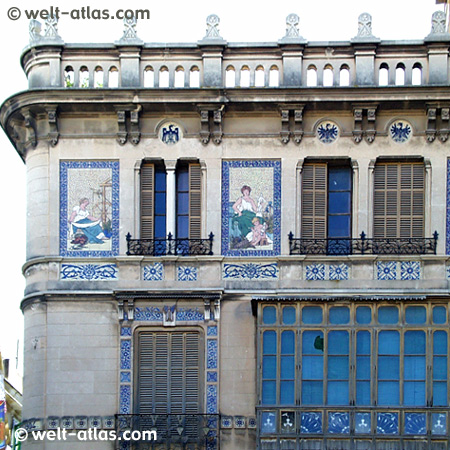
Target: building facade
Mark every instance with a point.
(239, 246)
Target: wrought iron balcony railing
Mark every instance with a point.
(170, 246)
(363, 245)
(169, 431)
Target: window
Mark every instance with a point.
(84, 77)
(164, 77)
(230, 77)
(400, 75)
(322, 359)
(326, 205)
(399, 197)
(259, 77)
(245, 77)
(383, 75)
(274, 77)
(149, 77)
(113, 77)
(98, 77)
(179, 77)
(344, 76)
(328, 76)
(417, 75)
(194, 77)
(311, 76)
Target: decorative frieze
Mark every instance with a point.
(89, 272)
(325, 272)
(250, 271)
(398, 270)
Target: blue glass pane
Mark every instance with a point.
(160, 227)
(363, 343)
(160, 180)
(183, 203)
(416, 315)
(269, 367)
(415, 423)
(288, 315)
(268, 422)
(269, 395)
(388, 343)
(439, 314)
(312, 315)
(363, 367)
(414, 393)
(269, 343)
(363, 392)
(415, 368)
(338, 342)
(388, 315)
(439, 393)
(338, 423)
(439, 424)
(339, 203)
(388, 368)
(182, 227)
(363, 315)
(312, 393)
(287, 342)
(183, 179)
(338, 226)
(269, 315)
(439, 368)
(388, 393)
(337, 393)
(312, 367)
(387, 423)
(160, 203)
(339, 178)
(440, 343)
(362, 423)
(287, 368)
(339, 315)
(338, 367)
(287, 393)
(311, 422)
(312, 343)
(415, 342)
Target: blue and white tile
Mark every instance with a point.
(315, 272)
(338, 272)
(125, 331)
(410, 270)
(211, 356)
(387, 423)
(415, 423)
(89, 272)
(226, 422)
(149, 314)
(240, 422)
(153, 272)
(211, 399)
(250, 271)
(363, 423)
(338, 422)
(125, 399)
(125, 377)
(400, 131)
(125, 354)
(190, 315)
(211, 377)
(212, 331)
(311, 422)
(439, 424)
(327, 132)
(187, 273)
(386, 270)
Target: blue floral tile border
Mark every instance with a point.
(250, 271)
(89, 272)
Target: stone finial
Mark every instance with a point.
(364, 25)
(212, 27)
(51, 28)
(292, 30)
(35, 31)
(129, 31)
(439, 30)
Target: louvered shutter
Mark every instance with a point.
(195, 201)
(147, 200)
(399, 193)
(314, 201)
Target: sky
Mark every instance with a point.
(174, 21)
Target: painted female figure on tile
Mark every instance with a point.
(250, 207)
(89, 208)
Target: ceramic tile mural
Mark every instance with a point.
(89, 208)
(251, 207)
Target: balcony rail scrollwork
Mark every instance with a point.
(363, 245)
(170, 246)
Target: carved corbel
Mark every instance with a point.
(357, 128)
(135, 134)
(130, 309)
(298, 125)
(13, 127)
(120, 310)
(53, 134)
(284, 133)
(217, 309)
(431, 124)
(371, 125)
(204, 131)
(122, 134)
(30, 125)
(207, 304)
(444, 131)
(218, 133)
(169, 315)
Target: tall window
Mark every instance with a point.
(326, 205)
(399, 200)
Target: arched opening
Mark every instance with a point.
(417, 74)
(179, 77)
(149, 77)
(383, 75)
(344, 76)
(98, 77)
(194, 77)
(164, 77)
(259, 77)
(328, 76)
(230, 77)
(311, 76)
(84, 77)
(274, 77)
(113, 77)
(400, 75)
(69, 77)
(245, 77)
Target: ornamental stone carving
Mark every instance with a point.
(438, 20)
(365, 25)
(292, 22)
(212, 27)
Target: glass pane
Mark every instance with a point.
(363, 392)
(312, 315)
(388, 393)
(268, 422)
(183, 203)
(312, 367)
(438, 424)
(287, 368)
(312, 393)
(363, 367)
(337, 368)
(287, 393)
(182, 227)
(439, 368)
(269, 315)
(287, 342)
(288, 315)
(269, 343)
(338, 226)
(182, 179)
(339, 178)
(160, 203)
(337, 393)
(416, 314)
(415, 368)
(440, 343)
(269, 367)
(160, 180)
(415, 343)
(339, 315)
(160, 227)
(388, 368)
(363, 315)
(388, 343)
(388, 314)
(439, 314)
(363, 343)
(339, 203)
(269, 396)
(338, 342)
(439, 393)
(414, 393)
(312, 343)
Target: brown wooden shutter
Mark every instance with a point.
(195, 201)
(147, 200)
(399, 193)
(314, 201)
